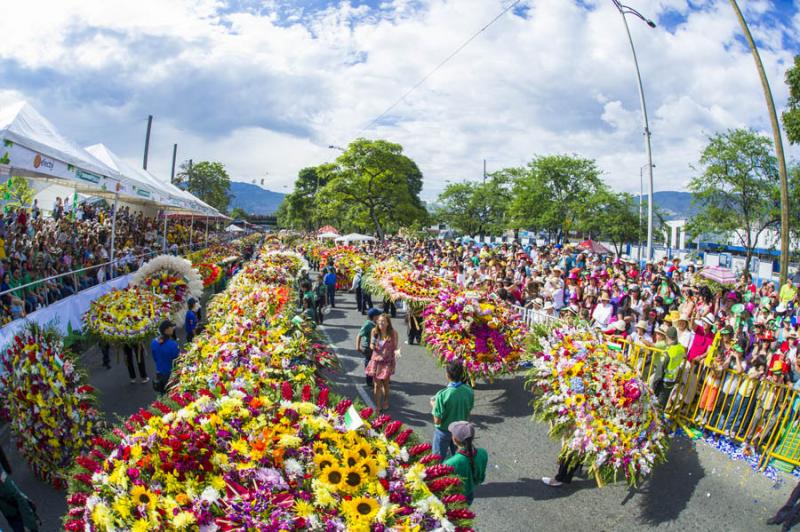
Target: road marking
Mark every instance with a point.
(360, 388)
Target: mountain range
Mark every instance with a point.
(676, 205)
(253, 199)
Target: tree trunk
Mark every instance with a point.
(378, 228)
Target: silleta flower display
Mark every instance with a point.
(396, 280)
(50, 408)
(483, 334)
(126, 316)
(598, 406)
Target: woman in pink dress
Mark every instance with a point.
(381, 365)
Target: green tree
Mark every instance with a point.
(209, 181)
(476, 208)
(16, 192)
(618, 217)
(299, 210)
(238, 213)
(791, 116)
(549, 193)
(737, 194)
(373, 183)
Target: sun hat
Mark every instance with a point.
(673, 316)
(662, 330)
(682, 317)
(461, 430)
(641, 324)
(726, 331)
(708, 319)
(548, 305)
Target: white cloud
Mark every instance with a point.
(265, 90)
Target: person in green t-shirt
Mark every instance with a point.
(675, 356)
(450, 404)
(468, 461)
(364, 337)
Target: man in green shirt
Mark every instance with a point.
(364, 337)
(468, 461)
(450, 404)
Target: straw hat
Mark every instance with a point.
(673, 316)
(642, 324)
(708, 319)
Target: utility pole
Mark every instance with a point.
(484, 171)
(174, 154)
(147, 140)
(776, 135)
(189, 177)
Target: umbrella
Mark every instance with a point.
(719, 275)
(594, 247)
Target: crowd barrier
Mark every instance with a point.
(752, 410)
(533, 317)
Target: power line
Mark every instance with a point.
(440, 65)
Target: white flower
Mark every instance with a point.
(293, 467)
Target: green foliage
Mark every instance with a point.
(791, 117)
(476, 208)
(737, 193)
(209, 181)
(16, 193)
(299, 209)
(617, 216)
(371, 184)
(239, 214)
(551, 192)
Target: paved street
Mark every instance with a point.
(697, 489)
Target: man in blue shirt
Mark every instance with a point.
(330, 284)
(190, 323)
(165, 351)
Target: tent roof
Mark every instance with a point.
(327, 235)
(23, 125)
(354, 237)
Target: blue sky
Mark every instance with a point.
(265, 86)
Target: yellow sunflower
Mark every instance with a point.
(333, 476)
(369, 466)
(141, 497)
(350, 458)
(353, 478)
(363, 449)
(325, 460)
(360, 510)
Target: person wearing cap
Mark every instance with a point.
(363, 339)
(450, 404)
(190, 322)
(468, 461)
(330, 284)
(671, 363)
(165, 351)
(320, 295)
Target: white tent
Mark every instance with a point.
(355, 237)
(234, 229)
(325, 236)
(34, 148)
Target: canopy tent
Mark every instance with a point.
(326, 236)
(594, 247)
(32, 147)
(234, 229)
(355, 237)
(328, 229)
(719, 275)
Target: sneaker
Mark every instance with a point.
(553, 483)
(133, 381)
(145, 380)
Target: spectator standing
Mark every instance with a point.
(382, 363)
(450, 404)
(468, 461)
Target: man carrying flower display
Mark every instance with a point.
(165, 351)
(450, 404)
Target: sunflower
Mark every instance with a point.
(320, 447)
(141, 497)
(353, 478)
(333, 476)
(369, 466)
(351, 457)
(325, 460)
(360, 510)
(363, 449)
(579, 399)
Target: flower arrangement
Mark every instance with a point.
(173, 277)
(290, 261)
(286, 462)
(48, 404)
(347, 260)
(599, 406)
(395, 280)
(483, 334)
(210, 273)
(126, 316)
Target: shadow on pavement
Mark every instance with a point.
(670, 488)
(533, 488)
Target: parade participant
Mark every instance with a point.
(468, 461)
(135, 352)
(382, 364)
(16, 507)
(363, 340)
(414, 325)
(164, 350)
(330, 285)
(356, 288)
(450, 404)
(190, 323)
(320, 293)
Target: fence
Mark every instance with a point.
(533, 317)
(754, 410)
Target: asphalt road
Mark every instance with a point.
(697, 489)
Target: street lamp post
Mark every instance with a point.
(626, 10)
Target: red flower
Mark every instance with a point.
(392, 428)
(366, 413)
(459, 514)
(286, 391)
(74, 526)
(430, 458)
(403, 437)
(343, 405)
(305, 394)
(438, 470)
(455, 498)
(322, 398)
(419, 449)
(441, 484)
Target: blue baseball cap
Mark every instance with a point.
(373, 312)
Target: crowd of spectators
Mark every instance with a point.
(71, 238)
(728, 353)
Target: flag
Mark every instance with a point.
(352, 420)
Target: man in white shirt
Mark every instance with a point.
(604, 311)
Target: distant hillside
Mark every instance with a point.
(254, 199)
(676, 204)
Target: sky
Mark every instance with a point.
(265, 86)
